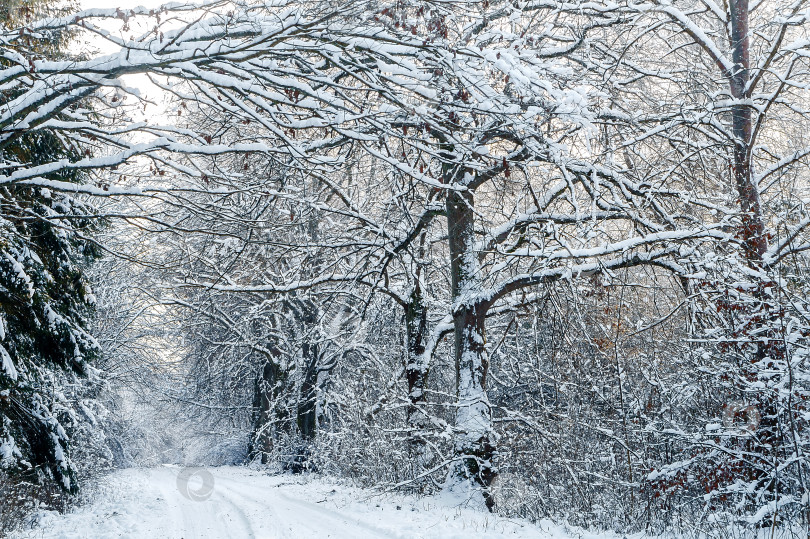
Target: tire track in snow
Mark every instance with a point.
(216, 517)
(291, 521)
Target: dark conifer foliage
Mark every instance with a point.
(45, 298)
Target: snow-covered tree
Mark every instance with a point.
(45, 297)
(713, 93)
(331, 175)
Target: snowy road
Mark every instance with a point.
(244, 503)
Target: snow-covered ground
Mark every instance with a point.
(244, 503)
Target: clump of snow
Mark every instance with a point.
(7, 363)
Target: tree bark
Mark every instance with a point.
(755, 241)
(754, 237)
(416, 372)
(475, 439)
(307, 409)
(269, 418)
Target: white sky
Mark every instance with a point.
(128, 4)
(138, 81)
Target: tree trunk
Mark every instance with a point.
(475, 439)
(416, 371)
(307, 409)
(755, 242)
(269, 418)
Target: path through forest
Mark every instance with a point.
(234, 502)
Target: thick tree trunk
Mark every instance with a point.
(475, 438)
(269, 417)
(307, 406)
(307, 411)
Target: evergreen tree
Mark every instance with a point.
(45, 299)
